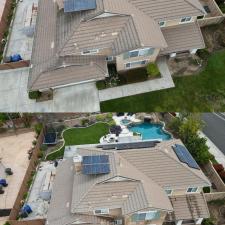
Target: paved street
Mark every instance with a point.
(215, 129)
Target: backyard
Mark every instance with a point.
(200, 92)
(79, 136)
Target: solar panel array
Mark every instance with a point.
(79, 5)
(95, 164)
(131, 145)
(184, 156)
(50, 138)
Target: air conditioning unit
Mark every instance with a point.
(118, 222)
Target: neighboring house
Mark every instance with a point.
(75, 39)
(161, 184)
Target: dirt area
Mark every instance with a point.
(185, 66)
(217, 213)
(13, 152)
(214, 37)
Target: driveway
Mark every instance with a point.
(13, 153)
(14, 97)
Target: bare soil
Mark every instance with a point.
(214, 37)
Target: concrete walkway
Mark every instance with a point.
(219, 156)
(19, 42)
(143, 87)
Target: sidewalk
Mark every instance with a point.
(164, 82)
(219, 156)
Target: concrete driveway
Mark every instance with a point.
(13, 152)
(14, 97)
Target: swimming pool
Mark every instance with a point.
(150, 131)
(125, 122)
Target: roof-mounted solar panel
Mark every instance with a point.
(184, 156)
(78, 5)
(95, 164)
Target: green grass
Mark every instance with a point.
(79, 136)
(198, 93)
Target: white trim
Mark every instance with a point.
(104, 211)
(185, 17)
(192, 191)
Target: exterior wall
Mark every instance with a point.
(183, 191)
(120, 62)
(15, 65)
(155, 222)
(176, 22)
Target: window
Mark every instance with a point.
(88, 52)
(149, 215)
(134, 64)
(192, 189)
(140, 52)
(186, 19)
(162, 23)
(101, 211)
(169, 191)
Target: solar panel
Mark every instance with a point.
(95, 164)
(79, 5)
(131, 145)
(184, 156)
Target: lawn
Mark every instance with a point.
(201, 92)
(79, 136)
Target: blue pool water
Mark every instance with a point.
(150, 131)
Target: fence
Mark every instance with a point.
(214, 196)
(15, 65)
(214, 177)
(24, 187)
(3, 18)
(210, 21)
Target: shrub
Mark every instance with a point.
(7, 223)
(203, 53)
(218, 202)
(34, 142)
(43, 147)
(218, 167)
(34, 94)
(100, 117)
(208, 221)
(40, 154)
(153, 70)
(38, 127)
(100, 84)
(206, 189)
(84, 122)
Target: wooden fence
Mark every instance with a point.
(3, 19)
(24, 187)
(15, 65)
(214, 196)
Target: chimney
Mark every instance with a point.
(77, 160)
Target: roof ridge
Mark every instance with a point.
(180, 163)
(194, 5)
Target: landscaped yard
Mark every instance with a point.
(198, 93)
(79, 136)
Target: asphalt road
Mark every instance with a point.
(215, 129)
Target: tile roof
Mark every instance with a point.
(129, 186)
(72, 33)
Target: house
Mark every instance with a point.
(75, 40)
(127, 185)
